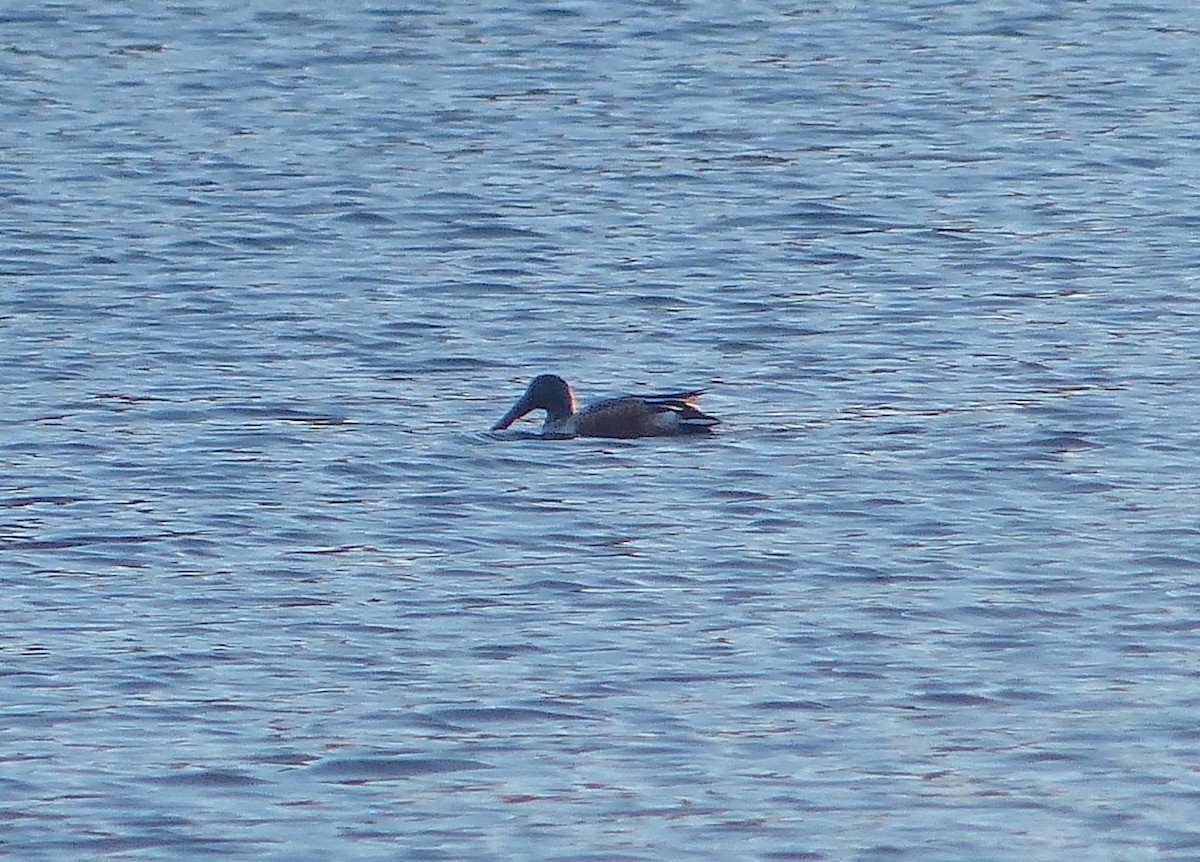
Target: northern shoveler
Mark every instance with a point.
(629, 416)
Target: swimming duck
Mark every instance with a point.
(629, 416)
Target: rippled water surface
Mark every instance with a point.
(269, 590)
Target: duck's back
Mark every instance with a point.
(665, 414)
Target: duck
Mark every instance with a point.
(666, 414)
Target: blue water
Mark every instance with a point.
(268, 589)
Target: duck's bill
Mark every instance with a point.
(518, 410)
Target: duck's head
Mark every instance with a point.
(547, 392)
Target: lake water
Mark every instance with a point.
(269, 590)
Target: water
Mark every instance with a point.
(270, 591)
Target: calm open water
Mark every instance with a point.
(269, 591)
